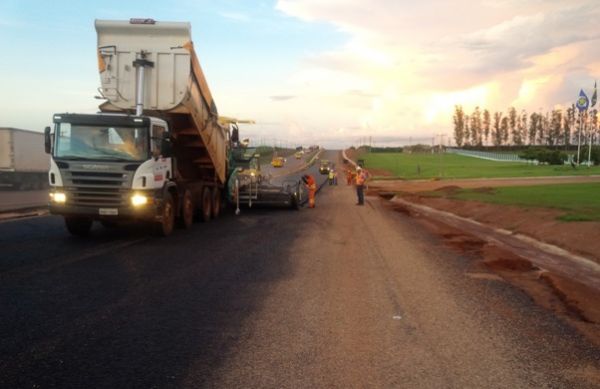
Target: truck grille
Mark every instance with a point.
(97, 189)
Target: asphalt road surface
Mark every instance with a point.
(337, 296)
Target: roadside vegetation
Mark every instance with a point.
(580, 202)
(428, 166)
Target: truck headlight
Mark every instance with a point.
(58, 197)
(137, 200)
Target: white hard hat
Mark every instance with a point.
(358, 168)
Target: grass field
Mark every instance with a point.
(581, 202)
(415, 166)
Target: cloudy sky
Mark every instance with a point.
(320, 71)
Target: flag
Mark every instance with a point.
(595, 95)
(582, 101)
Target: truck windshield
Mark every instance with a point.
(75, 141)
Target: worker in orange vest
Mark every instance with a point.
(349, 177)
(361, 177)
(311, 185)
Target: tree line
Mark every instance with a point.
(554, 128)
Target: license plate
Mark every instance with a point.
(108, 211)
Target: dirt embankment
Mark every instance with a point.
(539, 223)
(569, 298)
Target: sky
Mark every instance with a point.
(326, 72)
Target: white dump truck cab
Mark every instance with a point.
(108, 166)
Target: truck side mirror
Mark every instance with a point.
(47, 140)
(166, 147)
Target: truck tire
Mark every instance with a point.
(216, 203)
(165, 226)
(78, 226)
(206, 209)
(187, 210)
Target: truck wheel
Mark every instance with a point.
(206, 205)
(187, 210)
(216, 203)
(78, 226)
(165, 227)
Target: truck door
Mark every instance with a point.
(162, 166)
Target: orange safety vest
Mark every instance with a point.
(360, 178)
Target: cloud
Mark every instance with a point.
(511, 44)
(282, 98)
(415, 60)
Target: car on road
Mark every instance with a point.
(278, 162)
(298, 154)
(324, 167)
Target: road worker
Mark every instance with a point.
(331, 176)
(311, 185)
(360, 179)
(349, 177)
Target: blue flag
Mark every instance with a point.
(595, 95)
(582, 102)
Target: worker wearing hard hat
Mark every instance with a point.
(359, 180)
(311, 185)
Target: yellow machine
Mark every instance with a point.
(278, 161)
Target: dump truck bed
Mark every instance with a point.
(175, 88)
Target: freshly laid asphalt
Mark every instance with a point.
(337, 296)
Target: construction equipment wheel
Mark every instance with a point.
(216, 203)
(165, 226)
(78, 226)
(187, 210)
(206, 210)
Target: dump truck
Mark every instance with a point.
(23, 164)
(156, 153)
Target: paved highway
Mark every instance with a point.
(339, 296)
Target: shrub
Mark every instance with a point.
(551, 157)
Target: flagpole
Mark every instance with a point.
(590, 145)
(579, 140)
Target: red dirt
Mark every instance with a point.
(575, 302)
(539, 223)
(415, 186)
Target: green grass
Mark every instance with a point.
(423, 166)
(580, 202)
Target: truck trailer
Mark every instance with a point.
(156, 152)
(23, 164)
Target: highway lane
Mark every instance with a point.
(291, 165)
(339, 296)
